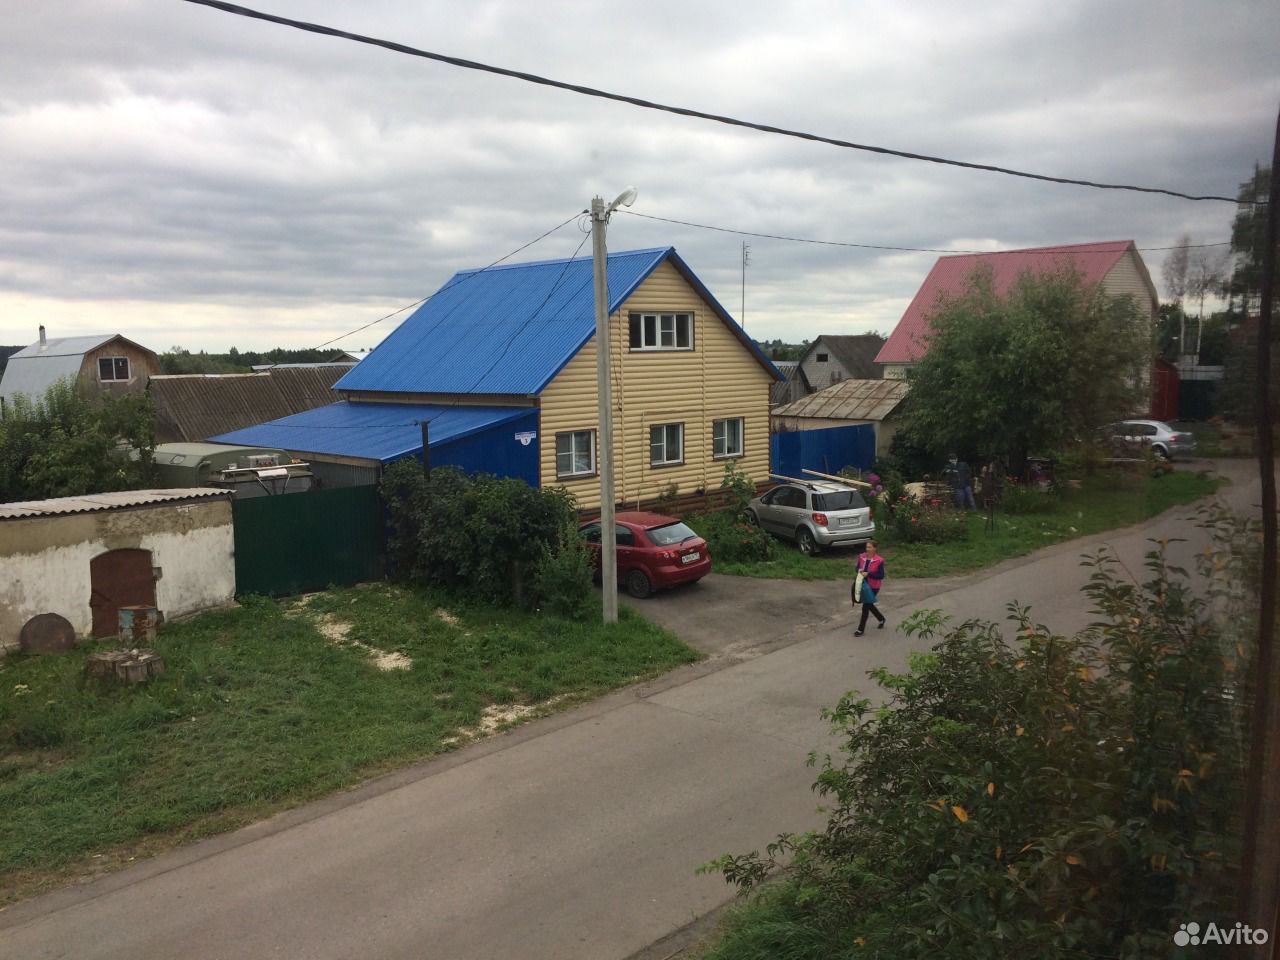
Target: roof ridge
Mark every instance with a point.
(560, 262)
(1052, 248)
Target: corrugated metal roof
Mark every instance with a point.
(65, 346)
(32, 376)
(508, 330)
(117, 500)
(849, 400)
(371, 431)
(192, 407)
(950, 275)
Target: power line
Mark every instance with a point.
(686, 111)
(450, 286)
(874, 246)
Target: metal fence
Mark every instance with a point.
(827, 451)
(299, 542)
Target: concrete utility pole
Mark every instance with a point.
(608, 531)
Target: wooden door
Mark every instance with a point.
(119, 578)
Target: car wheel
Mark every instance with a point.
(638, 584)
(806, 542)
(1160, 451)
(752, 518)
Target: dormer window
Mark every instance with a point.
(661, 331)
(113, 368)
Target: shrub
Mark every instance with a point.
(732, 538)
(914, 520)
(562, 577)
(1055, 797)
(481, 536)
(1018, 500)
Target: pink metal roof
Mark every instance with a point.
(950, 274)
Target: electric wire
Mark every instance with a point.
(878, 246)
(395, 47)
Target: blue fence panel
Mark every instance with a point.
(827, 451)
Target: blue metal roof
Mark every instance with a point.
(371, 431)
(509, 329)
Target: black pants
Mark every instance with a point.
(866, 609)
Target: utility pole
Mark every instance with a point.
(604, 391)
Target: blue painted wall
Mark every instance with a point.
(827, 451)
(495, 450)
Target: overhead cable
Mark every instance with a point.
(875, 246)
(686, 111)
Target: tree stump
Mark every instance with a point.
(127, 666)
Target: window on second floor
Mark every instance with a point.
(113, 368)
(661, 331)
(666, 444)
(726, 438)
(822, 358)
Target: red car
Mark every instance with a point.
(654, 551)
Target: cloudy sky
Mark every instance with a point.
(188, 177)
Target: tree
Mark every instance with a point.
(69, 443)
(1248, 242)
(1046, 364)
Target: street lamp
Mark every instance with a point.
(608, 531)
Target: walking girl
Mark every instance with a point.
(871, 572)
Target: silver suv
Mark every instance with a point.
(815, 515)
(1164, 441)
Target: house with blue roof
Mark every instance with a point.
(497, 370)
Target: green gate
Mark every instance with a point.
(299, 542)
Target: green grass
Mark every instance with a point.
(1107, 501)
(259, 711)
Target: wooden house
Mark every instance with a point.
(499, 365)
(105, 363)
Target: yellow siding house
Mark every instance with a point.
(499, 366)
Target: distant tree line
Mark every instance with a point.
(778, 350)
(181, 360)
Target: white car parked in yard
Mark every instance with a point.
(815, 515)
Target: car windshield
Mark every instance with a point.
(671, 533)
(838, 500)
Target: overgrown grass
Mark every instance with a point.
(1105, 502)
(259, 710)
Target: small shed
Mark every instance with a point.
(106, 363)
(847, 403)
(84, 558)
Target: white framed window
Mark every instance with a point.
(726, 437)
(661, 331)
(576, 454)
(113, 368)
(666, 444)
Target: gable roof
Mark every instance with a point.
(856, 353)
(950, 274)
(849, 400)
(192, 407)
(509, 330)
(34, 369)
(372, 431)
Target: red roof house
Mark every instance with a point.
(1116, 265)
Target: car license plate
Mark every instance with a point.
(848, 521)
(690, 557)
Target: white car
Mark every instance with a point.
(1163, 440)
(815, 515)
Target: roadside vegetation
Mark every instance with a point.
(1023, 793)
(268, 706)
(1103, 502)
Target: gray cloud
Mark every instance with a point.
(168, 163)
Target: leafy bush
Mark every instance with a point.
(483, 536)
(731, 538)
(1055, 797)
(914, 520)
(562, 578)
(1019, 500)
(69, 442)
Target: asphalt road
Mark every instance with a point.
(575, 836)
